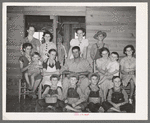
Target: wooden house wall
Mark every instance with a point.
(118, 22)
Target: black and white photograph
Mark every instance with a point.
(83, 61)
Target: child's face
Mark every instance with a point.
(73, 80)
(52, 55)
(101, 37)
(94, 80)
(117, 82)
(54, 81)
(113, 57)
(129, 51)
(28, 50)
(35, 58)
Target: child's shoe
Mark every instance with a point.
(101, 109)
(130, 101)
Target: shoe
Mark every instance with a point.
(101, 109)
(130, 101)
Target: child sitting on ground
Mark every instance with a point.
(112, 68)
(117, 98)
(74, 98)
(34, 69)
(94, 94)
(51, 91)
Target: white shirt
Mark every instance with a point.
(83, 44)
(112, 66)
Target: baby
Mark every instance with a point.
(112, 68)
(34, 69)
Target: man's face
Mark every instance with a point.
(31, 31)
(76, 53)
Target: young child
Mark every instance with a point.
(94, 94)
(51, 91)
(74, 98)
(34, 69)
(117, 98)
(112, 67)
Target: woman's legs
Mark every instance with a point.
(27, 79)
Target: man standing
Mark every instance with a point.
(77, 65)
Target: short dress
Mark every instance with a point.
(128, 65)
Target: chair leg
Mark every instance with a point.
(19, 89)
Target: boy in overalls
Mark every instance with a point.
(75, 99)
(94, 94)
(117, 98)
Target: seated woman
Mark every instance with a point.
(24, 61)
(80, 42)
(50, 66)
(128, 67)
(102, 64)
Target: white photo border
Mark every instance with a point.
(141, 67)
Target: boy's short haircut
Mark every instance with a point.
(94, 74)
(36, 53)
(28, 27)
(74, 75)
(114, 77)
(54, 76)
(25, 45)
(116, 54)
(76, 47)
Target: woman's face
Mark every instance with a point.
(47, 37)
(105, 54)
(80, 33)
(52, 55)
(31, 31)
(129, 51)
(100, 37)
(28, 50)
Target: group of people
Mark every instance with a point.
(74, 83)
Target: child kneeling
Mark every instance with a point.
(94, 94)
(73, 96)
(50, 94)
(117, 98)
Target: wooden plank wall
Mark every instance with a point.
(15, 33)
(118, 22)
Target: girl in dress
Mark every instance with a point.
(128, 67)
(81, 42)
(46, 45)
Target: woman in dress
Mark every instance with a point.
(81, 42)
(50, 66)
(101, 64)
(128, 68)
(24, 62)
(46, 45)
